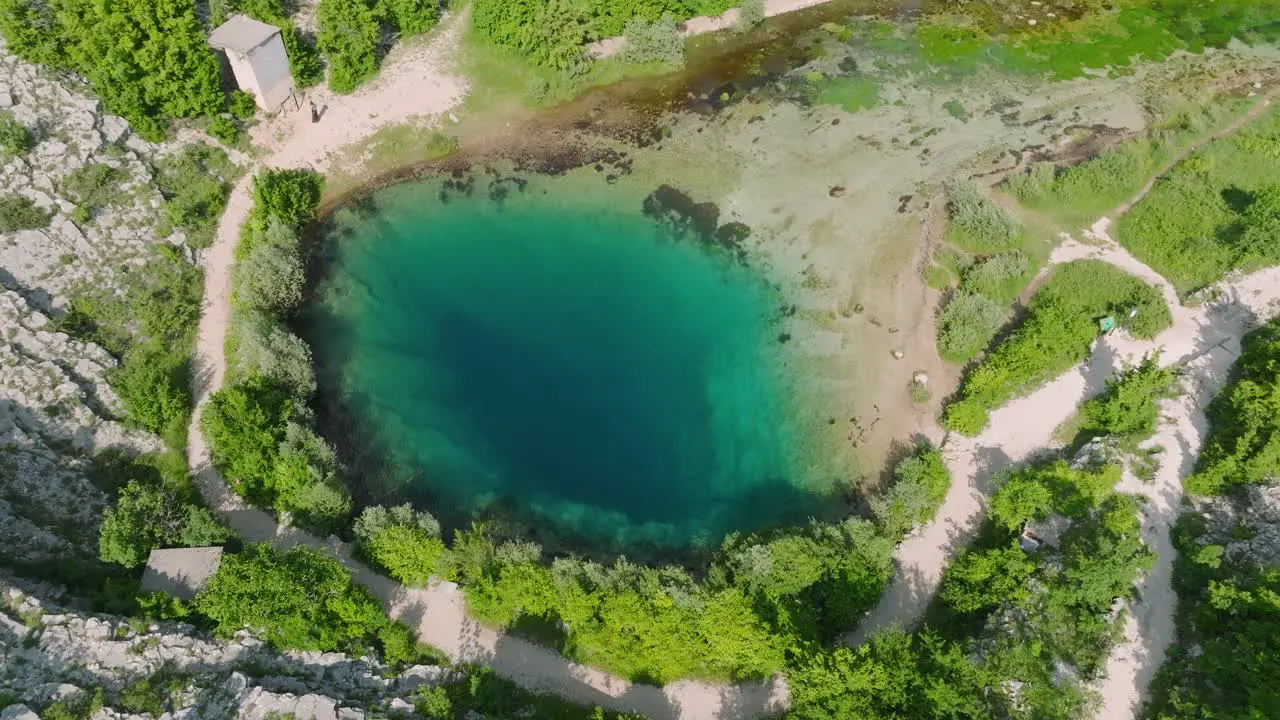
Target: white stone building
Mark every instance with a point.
(258, 60)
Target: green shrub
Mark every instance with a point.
(302, 599)
(548, 33)
(1127, 408)
(147, 516)
(195, 184)
(152, 694)
(94, 186)
(224, 130)
(265, 349)
(1228, 649)
(244, 425)
(1217, 211)
(1243, 445)
(656, 41)
(81, 705)
(290, 196)
(270, 278)
(1000, 277)
(920, 484)
(403, 542)
(15, 138)
(411, 17)
(148, 61)
(243, 105)
(977, 224)
(966, 325)
(1060, 327)
(348, 36)
(151, 330)
(21, 213)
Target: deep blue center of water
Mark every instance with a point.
(566, 359)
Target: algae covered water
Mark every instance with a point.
(568, 362)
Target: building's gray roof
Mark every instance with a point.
(181, 572)
(242, 34)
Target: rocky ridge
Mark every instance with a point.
(56, 408)
(49, 653)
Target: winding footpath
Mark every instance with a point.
(1205, 342)
(418, 82)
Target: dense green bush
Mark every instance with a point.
(404, 542)
(243, 106)
(653, 41)
(763, 594)
(289, 196)
(1218, 210)
(410, 17)
(976, 223)
(966, 325)
(999, 277)
(1127, 408)
(1041, 618)
(302, 599)
(348, 36)
(1243, 446)
(270, 277)
(195, 184)
(921, 481)
(147, 59)
(21, 213)
(1060, 327)
(15, 138)
(146, 517)
(1227, 656)
(257, 425)
(151, 329)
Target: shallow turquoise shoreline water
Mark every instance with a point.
(565, 358)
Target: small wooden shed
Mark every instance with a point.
(180, 572)
(258, 60)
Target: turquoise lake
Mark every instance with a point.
(569, 362)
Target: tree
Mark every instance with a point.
(348, 37)
(269, 278)
(966, 325)
(404, 541)
(921, 481)
(146, 517)
(245, 424)
(411, 17)
(303, 599)
(289, 196)
(979, 579)
(873, 681)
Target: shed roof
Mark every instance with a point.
(180, 572)
(242, 34)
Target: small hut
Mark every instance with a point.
(180, 572)
(256, 53)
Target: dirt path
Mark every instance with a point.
(415, 82)
(1208, 334)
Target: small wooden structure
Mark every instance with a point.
(180, 572)
(256, 53)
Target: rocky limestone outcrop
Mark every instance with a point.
(47, 653)
(1248, 528)
(56, 408)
